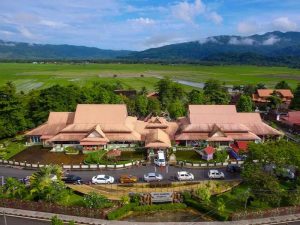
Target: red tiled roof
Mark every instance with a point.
(292, 118)
(209, 150)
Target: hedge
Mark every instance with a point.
(206, 209)
(169, 206)
(120, 212)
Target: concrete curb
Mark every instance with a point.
(85, 220)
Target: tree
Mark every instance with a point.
(143, 91)
(274, 101)
(12, 113)
(45, 187)
(216, 93)
(282, 85)
(176, 109)
(141, 105)
(249, 89)
(260, 86)
(154, 106)
(14, 188)
(196, 97)
(296, 100)
(244, 104)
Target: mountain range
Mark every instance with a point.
(282, 47)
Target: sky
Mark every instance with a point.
(141, 24)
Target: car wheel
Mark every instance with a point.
(108, 182)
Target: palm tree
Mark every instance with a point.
(14, 188)
(46, 183)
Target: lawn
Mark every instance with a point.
(189, 156)
(11, 147)
(29, 76)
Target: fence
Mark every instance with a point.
(53, 208)
(265, 213)
(27, 165)
(209, 164)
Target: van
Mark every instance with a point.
(160, 160)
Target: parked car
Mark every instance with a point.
(285, 173)
(72, 179)
(160, 160)
(125, 178)
(215, 174)
(184, 175)
(153, 177)
(233, 168)
(102, 179)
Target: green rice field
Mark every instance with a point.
(29, 76)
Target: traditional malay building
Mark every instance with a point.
(221, 125)
(260, 98)
(97, 126)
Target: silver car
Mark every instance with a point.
(153, 177)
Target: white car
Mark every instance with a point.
(160, 160)
(102, 179)
(184, 175)
(153, 177)
(215, 174)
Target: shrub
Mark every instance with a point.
(96, 201)
(56, 221)
(120, 212)
(220, 156)
(205, 208)
(94, 157)
(125, 199)
(204, 194)
(71, 149)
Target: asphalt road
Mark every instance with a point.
(30, 221)
(168, 173)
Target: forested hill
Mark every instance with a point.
(26, 51)
(269, 47)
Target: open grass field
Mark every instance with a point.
(28, 76)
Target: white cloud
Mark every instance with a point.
(142, 21)
(242, 41)
(189, 11)
(215, 17)
(247, 27)
(26, 33)
(271, 40)
(52, 24)
(284, 24)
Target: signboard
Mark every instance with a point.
(157, 197)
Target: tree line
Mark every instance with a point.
(20, 111)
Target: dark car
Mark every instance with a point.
(72, 179)
(233, 168)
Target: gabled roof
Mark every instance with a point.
(157, 139)
(269, 92)
(157, 122)
(292, 118)
(100, 114)
(57, 121)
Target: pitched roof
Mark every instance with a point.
(268, 92)
(209, 150)
(100, 114)
(157, 139)
(292, 118)
(57, 121)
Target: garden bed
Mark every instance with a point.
(38, 154)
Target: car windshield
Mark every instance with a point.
(106, 177)
(161, 160)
